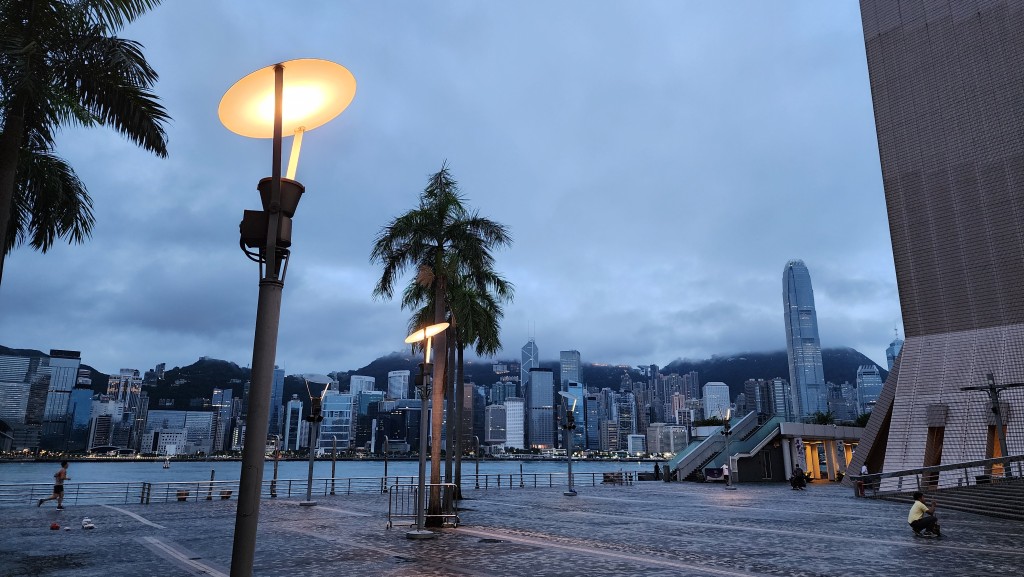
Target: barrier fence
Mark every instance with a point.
(164, 492)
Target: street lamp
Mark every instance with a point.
(314, 418)
(727, 431)
(570, 431)
(476, 454)
(263, 105)
(423, 382)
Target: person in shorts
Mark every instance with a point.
(58, 487)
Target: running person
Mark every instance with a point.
(58, 487)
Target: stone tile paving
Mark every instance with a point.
(653, 528)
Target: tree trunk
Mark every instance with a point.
(10, 145)
(460, 411)
(437, 403)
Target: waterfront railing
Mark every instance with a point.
(143, 492)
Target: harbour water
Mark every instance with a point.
(190, 471)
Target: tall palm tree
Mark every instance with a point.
(61, 64)
(445, 241)
(478, 324)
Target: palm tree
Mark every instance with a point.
(61, 64)
(478, 323)
(445, 241)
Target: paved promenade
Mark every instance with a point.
(651, 528)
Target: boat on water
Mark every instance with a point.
(167, 463)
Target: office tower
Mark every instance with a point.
(56, 415)
(81, 417)
(945, 85)
(473, 413)
(501, 391)
(339, 411)
(806, 375)
(360, 383)
(398, 385)
(625, 418)
(893, 351)
(716, 400)
(494, 425)
(531, 360)
(569, 367)
(869, 386)
(757, 394)
(781, 403)
(540, 408)
(515, 420)
(294, 426)
(276, 403)
(197, 426)
(220, 400)
(593, 418)
(579, 393)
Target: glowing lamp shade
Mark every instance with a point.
(315, 91)
(425, 333)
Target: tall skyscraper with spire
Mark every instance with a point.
(806, 375)
(530, 360)
(945, 85)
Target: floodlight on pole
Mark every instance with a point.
(293, 96)
(727, 431)
(423, 382)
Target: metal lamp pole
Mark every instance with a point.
(424, 382)
(387, 442)
(476, 454)
(569, 428)
(265, 239)
(315, 418)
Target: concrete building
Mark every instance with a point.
(494, 427)
(361, 383)
(540, 408)
(716, 400)
(515, 419)
(945, 82)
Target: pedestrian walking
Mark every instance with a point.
(58, 487)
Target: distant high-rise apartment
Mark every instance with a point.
(716, 400)
(569, 367)
(398, 384)
(541, 408)
(530, 360)
(515, 420)
(806, 375)
(946, 86)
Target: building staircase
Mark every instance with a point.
(1002, 498)
(689, 462)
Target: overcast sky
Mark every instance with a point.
(657, 164)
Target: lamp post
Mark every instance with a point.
(315, 417)
(387, 442)
(334, 460)
(476, 454)
(727, 431)
(570, 430)
(262, 105)
(423, 382)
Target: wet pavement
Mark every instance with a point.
(649, 528)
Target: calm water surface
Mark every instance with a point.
(179, 471)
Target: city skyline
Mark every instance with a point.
(680, 139)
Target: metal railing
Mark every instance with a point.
(165, 492)
(402, 504)
(939, 477)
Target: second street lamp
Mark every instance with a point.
(570, 430)
(424, 335)
(315, 417)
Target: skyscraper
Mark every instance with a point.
(398, 384)
(515, 421)
(945, 82)
(276, 403)
(893, 351)
(806, 375)
(56, 415)
(716, 400)
(530, 360)
(569, 367)
(540, 409)
(869, 385)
